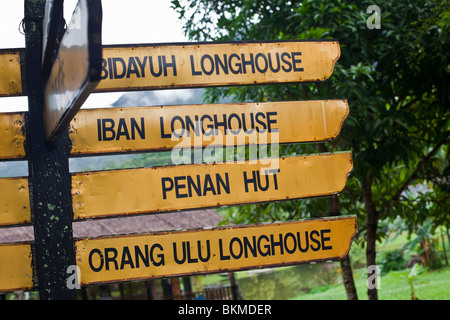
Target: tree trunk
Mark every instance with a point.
(443, 248)
(448, 237)
(347, 272)
(347, 277)
(167, 289)
(235, 290)
(371, 235)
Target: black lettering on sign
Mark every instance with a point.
(271, 121)
(152, 67)
(315, 247)
(129, 129)
(245, 63)
(91, 258)
(223, 257)
(187, 186)
(274, 244)
(324, 239)
(190, 254)
(111, 257)
(250, 62)
(207, 67)
(210, 125)
(135, 67)
(296, 61)
(236, 248)
(141, 66)
(260, 183)
(123, 68)
(172, 65)
(127, 258)
(259, 64)
(222, 63)
(235, 68)
(278, 64)
(286, 62)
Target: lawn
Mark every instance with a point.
(431, 285)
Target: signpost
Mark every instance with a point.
(143, 129)
(184, 187)
(112, 130)
(76, 70)
(55, 197)
(14, 201)
(179, 253)
(143, 67)
(10, 73)
(12, 137)
(49, 174)
(16, 271)
(162, 189)
(207, 64)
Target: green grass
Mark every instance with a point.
(431, 285)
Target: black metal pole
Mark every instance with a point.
(50, 181)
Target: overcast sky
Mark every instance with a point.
(124, 22)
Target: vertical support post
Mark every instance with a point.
(50, 181)
(235, 291)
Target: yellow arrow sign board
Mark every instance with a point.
(161, 189)
(14, 201)
(168, 254)
(12, 138)
(141, 67)
(16, 272)
(114, 130)
(10, 73)
(161, 128)
(147, 66)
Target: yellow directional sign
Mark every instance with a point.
(12, 138)
(147, 66)
(140, 67)
(16, 272)
(161, 189)
(10, 73)
(168, 254)
(14, 201)
(160, 128)
(113, 130)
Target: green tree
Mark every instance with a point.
(395, 78)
